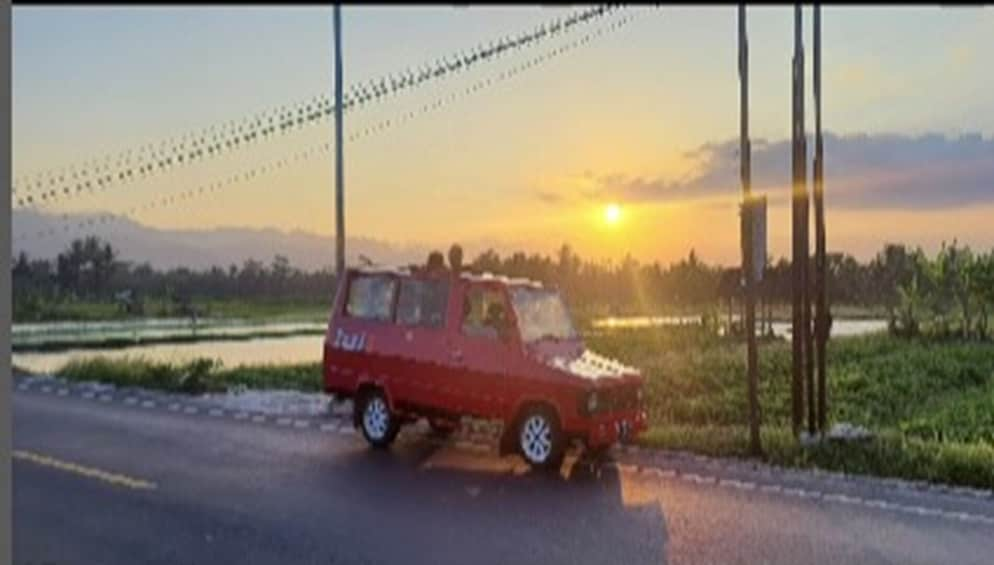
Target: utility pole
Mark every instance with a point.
(821, 305)
(748, 243)
(806, 317)
(339, 159)
(799, 217)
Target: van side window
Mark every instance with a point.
(371, 297)
(482, 310)
(422, 302)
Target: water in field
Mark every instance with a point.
(840, 328)
(77, 332)
(278, 350)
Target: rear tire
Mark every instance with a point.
(540, 440)
(379, 425)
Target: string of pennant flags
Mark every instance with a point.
(325, 147)
(152, 159)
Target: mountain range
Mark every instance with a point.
(198, 249)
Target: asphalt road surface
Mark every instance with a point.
(98, 479)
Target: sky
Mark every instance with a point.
(645, 117)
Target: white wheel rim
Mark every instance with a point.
(376, 418)
(536, 439)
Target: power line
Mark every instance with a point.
(146, 161)
(324, 147)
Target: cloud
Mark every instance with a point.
(880, 171)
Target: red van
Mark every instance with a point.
(405, 344)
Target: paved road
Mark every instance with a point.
(104, 481)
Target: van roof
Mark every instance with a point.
(406, 271)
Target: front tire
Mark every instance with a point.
(379, 425)
(540, 439)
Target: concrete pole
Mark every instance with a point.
(339, 158)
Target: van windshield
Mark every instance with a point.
(541, 314)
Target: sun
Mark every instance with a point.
(612, 214)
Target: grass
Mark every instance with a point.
(935, 391)
(196, 376)
(930, 404)
(890, 453)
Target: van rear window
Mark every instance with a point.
(422, 302)
(371, 297)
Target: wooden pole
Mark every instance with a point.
(821, 291)
(807, 334)
(748, 253)
(798, 260)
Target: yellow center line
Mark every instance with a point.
(112, 478)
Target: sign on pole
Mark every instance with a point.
(756, 207)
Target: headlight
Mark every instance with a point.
(592, 402)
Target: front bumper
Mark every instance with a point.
(621, 427)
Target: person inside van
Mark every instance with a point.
(436, 263)
(455, 259)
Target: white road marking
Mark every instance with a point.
(148, 404)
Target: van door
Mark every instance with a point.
(422, 308)
(479, 350)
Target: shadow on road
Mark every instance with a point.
(453, 498)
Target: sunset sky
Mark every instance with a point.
(644, 117)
